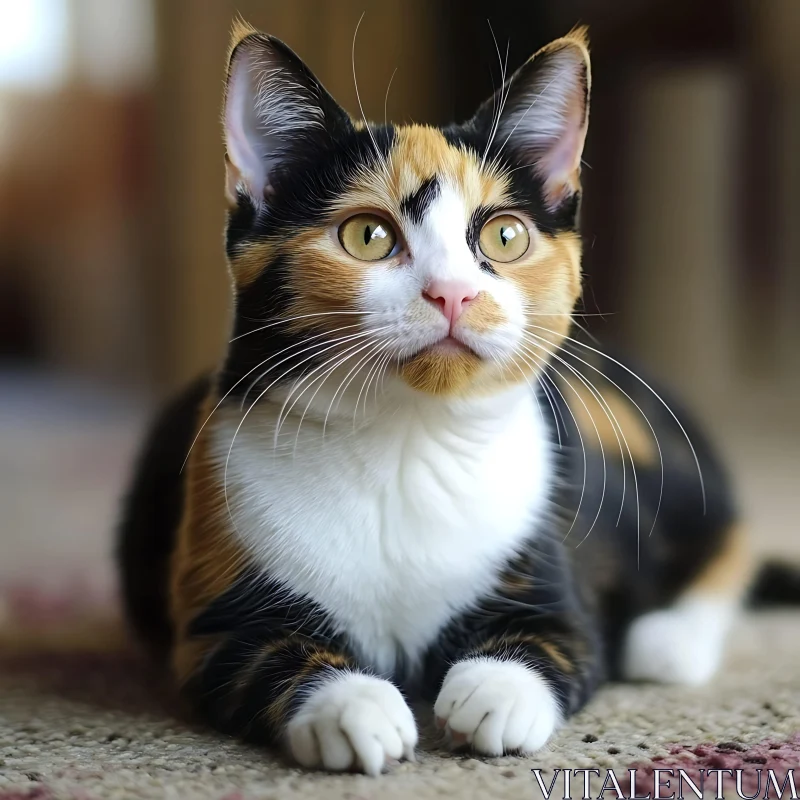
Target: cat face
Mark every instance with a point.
(447, 259)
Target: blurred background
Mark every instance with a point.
(113, 289)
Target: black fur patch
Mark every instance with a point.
(415, 205)
(271, 643)
(303, 198)
(151, 515)
(477, 220)
(534, 615)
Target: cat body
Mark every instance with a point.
(407, 478)
(421, 508)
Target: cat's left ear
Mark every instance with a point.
(275, 111)
(545, 114)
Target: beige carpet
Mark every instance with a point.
(93, 726)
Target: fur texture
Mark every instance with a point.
(406, 475)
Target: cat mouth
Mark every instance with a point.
(448, 346)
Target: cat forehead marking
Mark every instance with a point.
(422, 161)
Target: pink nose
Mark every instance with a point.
(451, 297)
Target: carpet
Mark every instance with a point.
(82, 718)
(85, 719)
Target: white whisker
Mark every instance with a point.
(349, 353)
(583, 447)
(284, 320)
(503, 96)
(319, 347)
(358, 98)
(250, 372)
(386, 99)
(660, 400)
(606, 408)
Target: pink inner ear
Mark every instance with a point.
(560, 163)
(242, 136)
(550, 132)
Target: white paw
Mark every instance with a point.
(683, 644)
(497, 706)
(352, 721)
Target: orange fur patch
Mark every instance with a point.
(549, 279)
(730, 570)
(614, 423)
(250, 261)
(552, 650)
(207, 560)
(483, 314)
(323, 278)
(441, 373)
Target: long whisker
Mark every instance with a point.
(660, 400)
(644, 416)
(239, 427)
(530, 311)
(365, 361)
(358, 98)
(383, 370)
(250, 372)
(348, 353)
(345, 382)
(233, 441)
(327, 375)
(284, 320)
(324, 346)
(513, 360)
(542, 364)
(311, 399)
(647, 422)
(606, 408)
(386, 99)
(585, 331)
(372, 373)
(496, 158)
(536, 396)
(594, 425)
(547, 392)
(503, 96)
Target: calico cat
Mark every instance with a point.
(407, 479)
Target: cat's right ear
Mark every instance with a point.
(275, 108)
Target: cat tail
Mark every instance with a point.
(776, 584)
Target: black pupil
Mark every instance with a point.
(504, 237)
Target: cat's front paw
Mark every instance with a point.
(497, 706)
(352, 721)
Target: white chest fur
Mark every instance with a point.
(397, 525)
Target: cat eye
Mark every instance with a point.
(367, 237)
(504, 238)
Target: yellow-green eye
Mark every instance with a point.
(504, 239)
(367, 237)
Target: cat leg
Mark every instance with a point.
(516, 666)
(684, 643)
(309, 696)
(264, 664)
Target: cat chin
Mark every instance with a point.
(443, 369)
